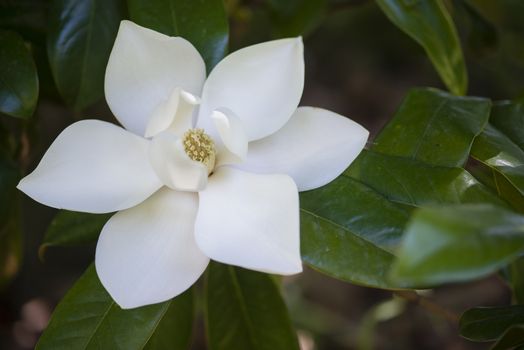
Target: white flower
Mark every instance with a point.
(185, 182)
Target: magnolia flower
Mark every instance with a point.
(204, 169)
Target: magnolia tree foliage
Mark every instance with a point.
(219, 180)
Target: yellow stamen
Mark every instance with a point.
(200, 147)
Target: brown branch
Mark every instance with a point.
(429, 305)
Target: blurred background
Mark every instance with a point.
(357, 64)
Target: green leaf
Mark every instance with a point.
(502, 150)
(348, 203)
(73, 228)
(348, 231)
(80, 37)
(18, 77)
(202, 22)
(497, 151)
(434, 127)
(244, 310)
(489, 323)
(512, 338)
(457, 243)
(430, 25)
(87, 318)
(417, 184)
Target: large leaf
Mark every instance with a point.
(202, 22)
(81, 35)
(348, 231)
(429, 24)
(457, 243)
(73, 228)
(87, 318)
(338, 252)
(18, 77)
(411, 182)
(434, 127)
(348, 203)
(489, 323)
(244, 310)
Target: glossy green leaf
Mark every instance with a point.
(502, 150)
(348, 231)
(80, 37)
(512, 338)
(434, 127)
(411, 182)
(18, 77)
(244, 310)
(496, 150)
(348, 203)
(457, 243)
(489, 323)
(429, 24)
(202, 22)
(87, 318)
(340, 253)
(73, 228)
(498, 182)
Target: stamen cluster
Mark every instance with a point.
(199, 147)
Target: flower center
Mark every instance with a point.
(200, 147)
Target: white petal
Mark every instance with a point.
(172, 165)
(175, 114)
(314, 147)
(251, 221)
(94, 167)
(147, 254)
(233, 145)
(262, 84)
(143, 70)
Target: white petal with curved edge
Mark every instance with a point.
(251, 221)
(147, 254)
(172, 165)
(143, 70)
(233, 145)
(93, 166)
(175, 114)
(314, 147)
(262, 84)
